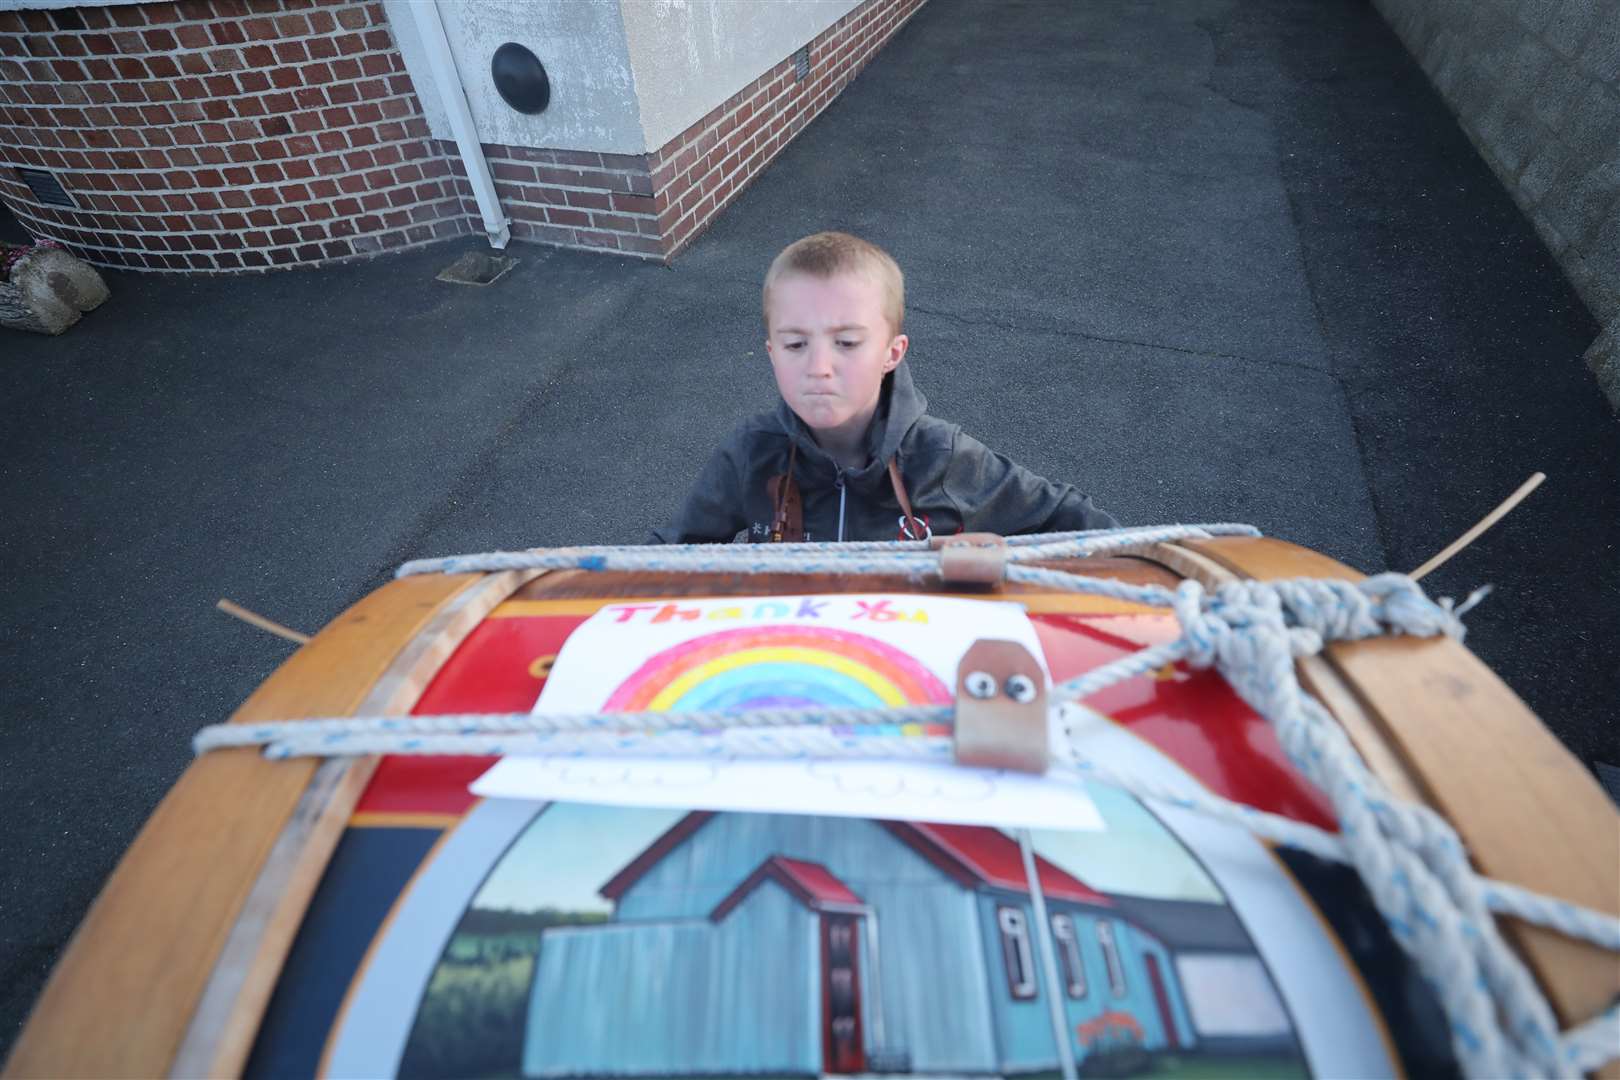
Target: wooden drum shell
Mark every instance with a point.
(174, 964)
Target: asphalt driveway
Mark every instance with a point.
(1208, 260)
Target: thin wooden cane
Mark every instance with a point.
(1478, 530)
(253, 618)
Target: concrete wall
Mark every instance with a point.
(627, 76)
(1536, 85)
(690, 55)
(581, 44)
(661, 113)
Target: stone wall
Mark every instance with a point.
(1536, 85)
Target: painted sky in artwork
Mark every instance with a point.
(572, 849)
(1135, 855)
(568, 853)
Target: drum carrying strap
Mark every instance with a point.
(910, 525)
(787, 523)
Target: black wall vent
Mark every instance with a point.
(520, 78)
(801, 64)
(46, 189)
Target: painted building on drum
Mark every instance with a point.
(755, 943)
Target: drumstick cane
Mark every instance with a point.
(1484, 523)
(1439, 560)
(254, 619)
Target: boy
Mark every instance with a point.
(850, 453)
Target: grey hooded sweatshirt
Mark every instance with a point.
(955, 482)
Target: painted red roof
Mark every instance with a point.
(991, 857)
(812, 884)
(971, 855)
(816, 880)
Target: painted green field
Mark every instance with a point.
(1208, 1068)
(1222, 1068)
(472, 1017)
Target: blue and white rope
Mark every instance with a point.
(1412, 862)
(772, 743)
(1590, 1046)
(904, 557)
(285, 739)
(1501, 897)
(725, 734)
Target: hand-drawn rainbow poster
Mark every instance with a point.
(777, 665)
(740, 653)
(732, 654)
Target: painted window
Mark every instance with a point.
(1015, 949)
(1068, 951)
(1229, 994)
(1110, 950)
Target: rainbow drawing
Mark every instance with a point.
(777, 666)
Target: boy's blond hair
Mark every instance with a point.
(827, 254)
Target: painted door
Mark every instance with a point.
(1166, 1017)
(842, 1040)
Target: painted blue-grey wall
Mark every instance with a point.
(934, 995)
(742, 995)
(1024, 1027)
(1135, 946)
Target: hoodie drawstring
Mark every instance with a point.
(842, 492)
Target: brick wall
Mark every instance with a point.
(653, 205)
(220, 134)
(578, 198)
(1536, 85)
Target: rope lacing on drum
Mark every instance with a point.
(1413, 864)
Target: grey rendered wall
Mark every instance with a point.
(690, 55)
(593, 93)
(1536, 85)
(626, 75)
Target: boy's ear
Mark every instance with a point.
(897, 352)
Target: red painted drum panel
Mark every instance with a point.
(1192, 716)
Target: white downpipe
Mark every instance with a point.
(430, 26)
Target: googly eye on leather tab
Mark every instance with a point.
(980, 684)
(1021, 688)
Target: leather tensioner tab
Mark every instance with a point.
(971, 558)
(1001, 709)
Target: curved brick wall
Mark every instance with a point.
(224, 135)
(221, 134)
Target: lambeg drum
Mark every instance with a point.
(948, 814)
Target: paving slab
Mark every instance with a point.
(1207, 259)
